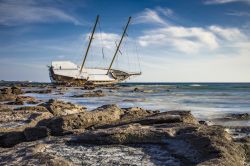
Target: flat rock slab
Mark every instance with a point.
(55, 150)
(192, 144)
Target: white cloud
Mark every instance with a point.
(221, 53)
(149, 16)
(105, 40)
(219, 68)
(238, 13)
(209, 2)
(187, 40)
(20, 12)
(165, 11)
(230, 34)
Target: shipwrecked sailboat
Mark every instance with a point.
(68, 73)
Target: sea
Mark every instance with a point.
(206, 101)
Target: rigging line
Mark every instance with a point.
(105, 59)
(138, 55)
(100, 63)
(136, 50)
(126, 54)
(78, 57)
(100, 29)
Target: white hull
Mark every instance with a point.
(63, 72)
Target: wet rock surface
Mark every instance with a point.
(97, 93)
(43, 91)
(17, 101)
(16, 90)
(12, 120)
(6, 94)
(239, 116)
(32, 108)
(58, 108)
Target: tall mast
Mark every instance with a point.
(118, 47)
(90, 40)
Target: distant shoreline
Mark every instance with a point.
(147, 83)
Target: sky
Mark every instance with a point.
(168, 41)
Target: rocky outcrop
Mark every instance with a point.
(146, 117)
(7, 97)
(43, 91)
(136, 112)
(176, 134)
(6, 94)
(29, 99)
(19, 119)
(4, 108)
(58, 108)
(12, 138)
(105, 117)
(100, 116)
(31, 154)
(18, 101)
(21, 100)
(16, 90)
(32, 108)
(239, 116)
(193, 144)
(6, 91)
(88, 86)
(35, 133)
(97, 93)
(145, 90)
(137, 90)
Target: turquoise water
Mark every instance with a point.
(205, 100)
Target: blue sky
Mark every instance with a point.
(175, 41)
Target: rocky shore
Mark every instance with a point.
(54, 132)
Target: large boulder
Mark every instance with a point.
(135, 113)
(11, 139)
(126, 134)
(58, 108)
(147, 117)
(16, 90)
(7, 97)
(6, 91)
(35, 133)
(102, 115)
(186, 116)
(7, 94)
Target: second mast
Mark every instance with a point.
(90, 40)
